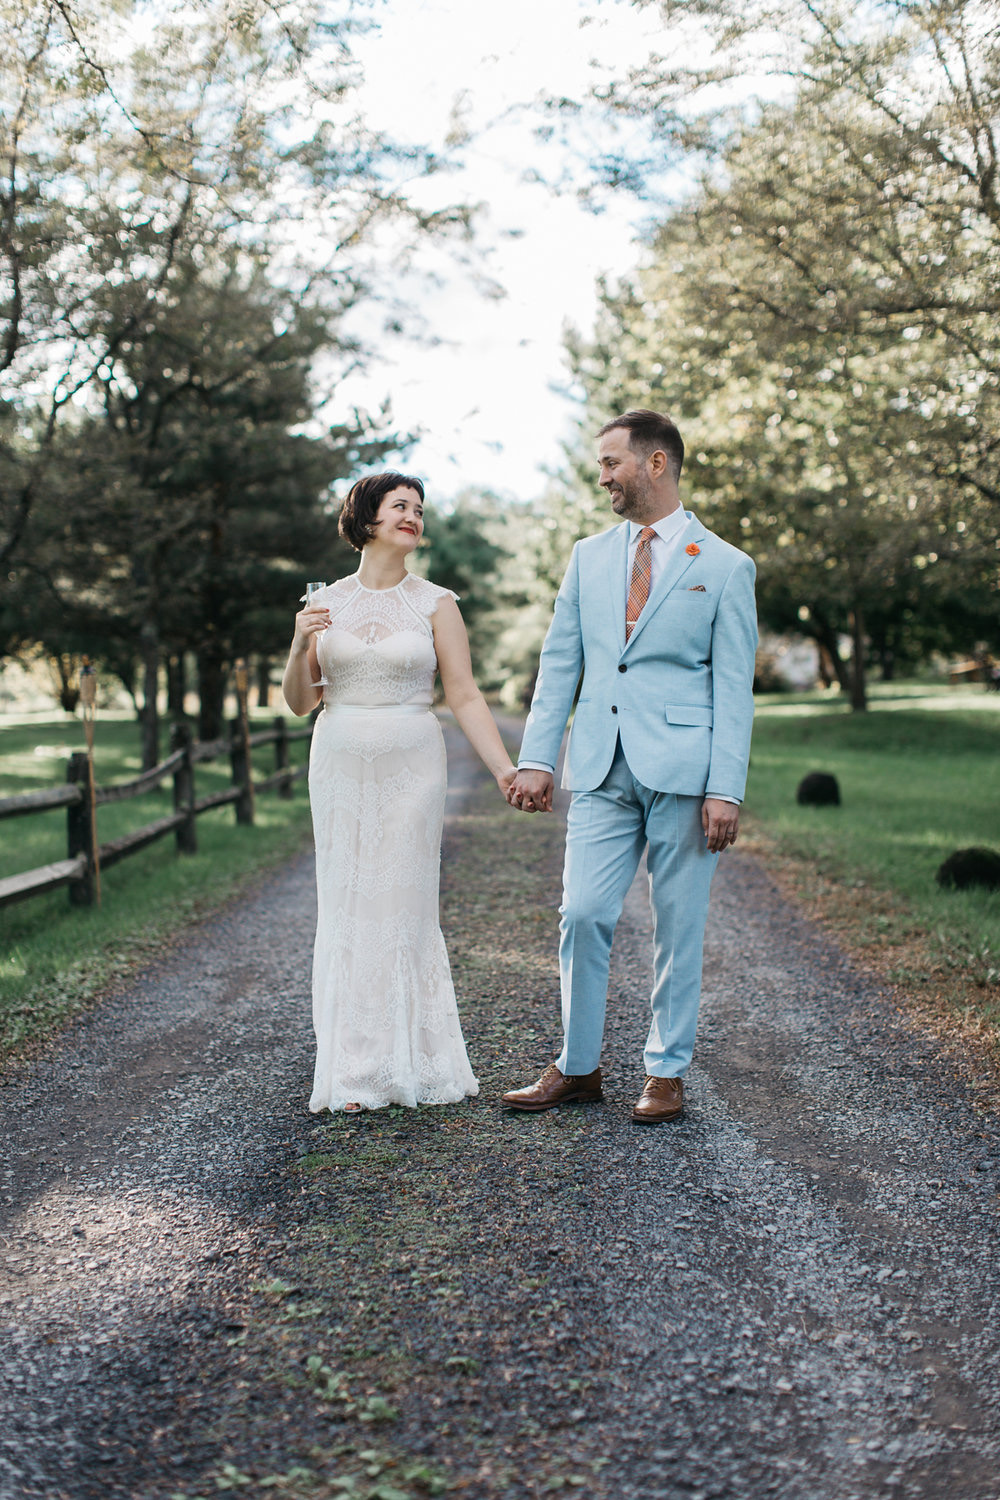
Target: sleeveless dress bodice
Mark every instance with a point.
(379, 648)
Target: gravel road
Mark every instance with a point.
(793, 1292)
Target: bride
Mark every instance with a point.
(367, 647)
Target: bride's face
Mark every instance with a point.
(399, 520)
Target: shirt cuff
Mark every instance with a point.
(721, 797)
(534, 765)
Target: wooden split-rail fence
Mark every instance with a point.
(81, 799)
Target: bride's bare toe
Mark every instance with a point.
(352, 1109)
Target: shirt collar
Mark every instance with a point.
(667, 527)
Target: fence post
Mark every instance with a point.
(239, 759)
(245, 806)
(281, 756)
(185, 833)
(80, 828)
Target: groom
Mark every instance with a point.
(659, 616)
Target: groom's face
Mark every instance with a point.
(623, 474)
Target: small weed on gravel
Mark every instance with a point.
(343, 1474)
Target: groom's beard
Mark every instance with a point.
(630, 499)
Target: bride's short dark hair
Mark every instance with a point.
(361, 506)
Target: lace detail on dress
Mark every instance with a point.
(379, 647)
(373, 849)
(387, 1027)
(362, 953)
(372, 614)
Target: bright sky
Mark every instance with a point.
(484, 394)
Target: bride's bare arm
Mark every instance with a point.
(302, 670)
(463, 697)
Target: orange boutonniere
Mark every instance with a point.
(692, 549)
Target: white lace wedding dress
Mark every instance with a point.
(387, 1028)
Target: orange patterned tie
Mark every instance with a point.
(638, 589)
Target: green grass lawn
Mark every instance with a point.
(919, 776)
(54, 957)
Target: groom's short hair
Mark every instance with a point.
(648, 431)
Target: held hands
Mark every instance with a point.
(531, 791)
(504, 779)
(721, 822)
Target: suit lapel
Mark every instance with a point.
(679, 562)
(614, 566)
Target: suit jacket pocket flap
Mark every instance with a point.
(688, 713)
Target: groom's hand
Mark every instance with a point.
(531, 791)
(721, 822)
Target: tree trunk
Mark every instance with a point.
(211, 653)
(882, 651)
(826, 639)
(211, 693)
(128, 683)
(69, 693)
(859, 698)
(263, 681)
(824, 666)
(149, 716)
(176, 686)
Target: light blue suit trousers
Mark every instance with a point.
(607, 830)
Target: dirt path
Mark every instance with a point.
(792, 1293)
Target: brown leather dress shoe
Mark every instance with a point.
(556, 1088)
(662, 1099)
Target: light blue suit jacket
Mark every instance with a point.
(679, 692)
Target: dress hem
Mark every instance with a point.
(337, 1107)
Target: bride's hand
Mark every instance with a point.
(505, 779)
(310, 621)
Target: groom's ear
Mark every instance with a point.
(657, 463)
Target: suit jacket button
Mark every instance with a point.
(623, 668)
(614, 708)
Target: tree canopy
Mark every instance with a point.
(191, 209)
(820, 314)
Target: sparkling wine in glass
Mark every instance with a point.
(311, 590)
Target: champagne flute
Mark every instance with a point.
(311, 590)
